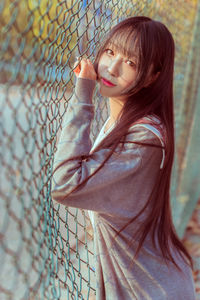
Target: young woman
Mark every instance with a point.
(124, 179)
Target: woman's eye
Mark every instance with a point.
(109, 51)
(131, 63)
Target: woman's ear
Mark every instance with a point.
(151, 79)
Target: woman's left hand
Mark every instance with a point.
(85, 69)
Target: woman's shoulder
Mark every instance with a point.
(150, 120)
(149, 130)
(150, 125)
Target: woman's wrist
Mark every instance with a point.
(84, 90)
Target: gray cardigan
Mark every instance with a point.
(115, 194)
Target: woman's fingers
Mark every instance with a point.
(87, 70)
(84, 69)
(77, 66)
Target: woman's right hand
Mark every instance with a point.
(85, 69)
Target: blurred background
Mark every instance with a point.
(46, 250)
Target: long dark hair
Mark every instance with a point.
(156, 50)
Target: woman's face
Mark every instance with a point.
(116, 72)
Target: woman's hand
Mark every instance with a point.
(85, 69)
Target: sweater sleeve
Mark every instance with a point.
(72, 167)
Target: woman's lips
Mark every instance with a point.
(106, 82)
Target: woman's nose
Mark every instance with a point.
(114, 67)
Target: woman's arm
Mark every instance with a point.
(123, 172)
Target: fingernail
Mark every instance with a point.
(77, 70)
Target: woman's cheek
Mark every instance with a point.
(99, 69)
(129, 77)
(103, 64)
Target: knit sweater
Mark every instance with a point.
(115, 194)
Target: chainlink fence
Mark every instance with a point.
(46, 249)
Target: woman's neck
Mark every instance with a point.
(116, 106)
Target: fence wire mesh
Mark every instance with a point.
(46, 249)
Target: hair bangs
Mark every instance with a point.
(126, 42)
